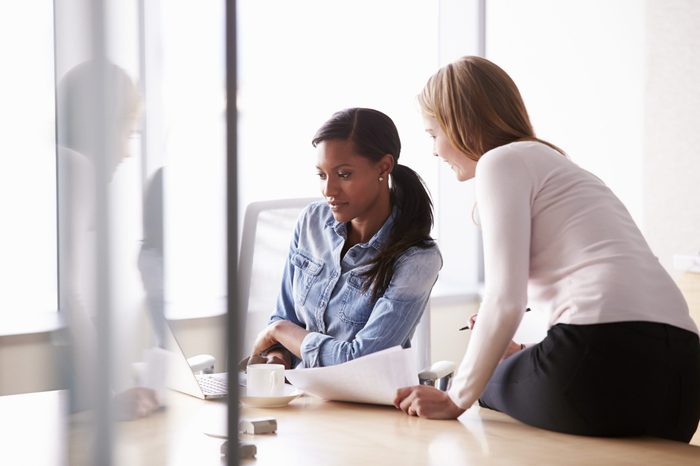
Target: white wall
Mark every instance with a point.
(579, 66)
(672, 128)
(614, 83)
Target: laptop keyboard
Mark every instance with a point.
(213, 384)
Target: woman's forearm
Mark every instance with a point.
(289, 335)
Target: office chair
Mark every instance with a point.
(268, 227)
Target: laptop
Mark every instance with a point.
(181, 378)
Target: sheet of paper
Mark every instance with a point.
(370, 379)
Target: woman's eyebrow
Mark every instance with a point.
(337, 166)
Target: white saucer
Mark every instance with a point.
(290, 393)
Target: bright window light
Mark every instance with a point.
(28, 270)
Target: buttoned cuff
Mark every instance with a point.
(311, 348)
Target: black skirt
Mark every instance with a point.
(612, 380)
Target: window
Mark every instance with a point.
(186, 133)
(293, 74)
(28, 167)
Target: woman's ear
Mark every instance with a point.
(386, 165)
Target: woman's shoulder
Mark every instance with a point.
(426, 255)
(518, 149)
(316, 210)
(519, 156)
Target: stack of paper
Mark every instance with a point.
(370, 379)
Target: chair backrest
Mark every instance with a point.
(267, 232)
(421, 340)
(268, 227)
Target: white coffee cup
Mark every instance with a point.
(265, 380)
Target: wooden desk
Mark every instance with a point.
(311, 432)
(174, 436)
(34, 430)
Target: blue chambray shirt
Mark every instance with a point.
(323, 293)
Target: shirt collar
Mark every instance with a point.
(376, 241)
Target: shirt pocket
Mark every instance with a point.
(356, 306)
(306, 272)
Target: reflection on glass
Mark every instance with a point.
(138, 133)
(97, 111)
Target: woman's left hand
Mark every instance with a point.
(426, 401)
(263, 341)
(513, 348)
(287, 333)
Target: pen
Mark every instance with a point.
(466, 327)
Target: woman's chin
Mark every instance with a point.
(461, 176)
(340, 217)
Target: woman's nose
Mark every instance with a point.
(329, 188)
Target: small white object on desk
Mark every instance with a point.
(261, 425)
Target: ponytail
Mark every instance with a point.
(411, 228)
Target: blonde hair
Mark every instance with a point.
(478, 106)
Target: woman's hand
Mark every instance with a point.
(472, 321)
(135, 403)
(263, 341)
(513, 348)
(426, 401)
(279, 356)
(284, 332)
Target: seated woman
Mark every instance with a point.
(361, 264)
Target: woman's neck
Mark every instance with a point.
(362, 229)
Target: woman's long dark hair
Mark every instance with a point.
(374, 135)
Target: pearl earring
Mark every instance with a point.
(381, 178)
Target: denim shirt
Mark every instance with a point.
(323, 293)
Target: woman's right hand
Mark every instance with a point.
(426, 401)
(279, 357)
(472, 321)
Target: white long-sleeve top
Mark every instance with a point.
(556, 238)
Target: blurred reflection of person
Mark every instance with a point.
(151, 255)
(97, 111)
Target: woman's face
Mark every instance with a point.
(349, 182)
(463, 166)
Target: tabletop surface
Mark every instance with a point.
(35, 430)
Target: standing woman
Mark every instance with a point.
(621, 356)
(361, 263)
